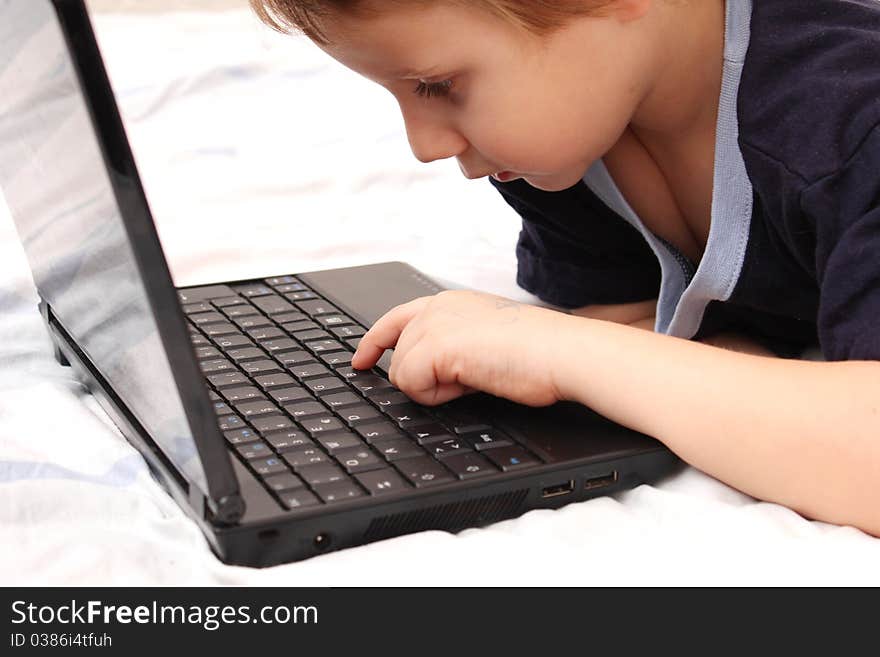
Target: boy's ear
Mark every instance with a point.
(630, 10)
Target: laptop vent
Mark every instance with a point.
(449, 517)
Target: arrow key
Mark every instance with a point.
(379, 482)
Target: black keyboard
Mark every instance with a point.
(277, 360)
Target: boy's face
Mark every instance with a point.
(493, 96)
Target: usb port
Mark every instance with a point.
(558, 489)
(600, 481)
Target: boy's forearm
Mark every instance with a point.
(804, 434)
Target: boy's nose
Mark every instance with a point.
(434, 141)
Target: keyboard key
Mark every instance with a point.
(359, 415)
(300, 296)
(267, 423)
(336, 441)
(207, 353)
(251, 409)
(293, 358)
(341, 400)
(284, 482)
(287, 318)
(246, 354)
(266, 333)
(228, 380)
(213, 396)
(229, 422)
(337, 358)
(325, 386)
(253, 290)
(378, 431)
(241, 310)
(201, 319)
(239, 436)
(269, 381)
(353, 343)
(291, 287)
(216, 365)
(298, 326)
(268, 466)
(221, 408)
(329, 321)
(242, 394)
(199, 294)
(447, 447)
(359, 459)
(511, 458)
(259, 367)
(387, 398)
(316, 307)
(321, 473)
(251, 322)
(309, 371)
(305, 336)
(316, 425)
(224, 302)
(461, 421)
(236, 341)
(199, 340)
(257, 450)
(280, 346)
(423, 471)
(407, 418)
(218, 330)
(273, 305)
(487, 440)
(300, 458)
(193, 308)
(469, 465)
(275, 281)
(348, 331)
(292, 394)
(397, 449)
(338, 491)
(323, 346)
(380, 482)
(287, 441)
(296, 499)
(430, 433)
(302, 410)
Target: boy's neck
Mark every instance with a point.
(682, 102)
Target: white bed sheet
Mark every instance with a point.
(243, 136)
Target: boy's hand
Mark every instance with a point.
(457, 342)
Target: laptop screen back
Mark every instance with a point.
(60, 196)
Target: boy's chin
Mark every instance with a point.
(554, 183)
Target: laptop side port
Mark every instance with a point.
(559, 489)
(601, 481)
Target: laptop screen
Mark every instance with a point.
(60, 196)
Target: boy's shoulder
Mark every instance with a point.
(810, 89)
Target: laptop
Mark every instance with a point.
(240, 395)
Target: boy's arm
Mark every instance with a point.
(804, 434)
(641, 314)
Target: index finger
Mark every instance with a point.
(385, 333)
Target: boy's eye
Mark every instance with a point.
(433, 89)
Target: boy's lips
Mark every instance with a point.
(504, 176)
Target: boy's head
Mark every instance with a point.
(536, 89)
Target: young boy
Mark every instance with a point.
(706, 170)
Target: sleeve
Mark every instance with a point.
(845, 207)
(574, 251)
